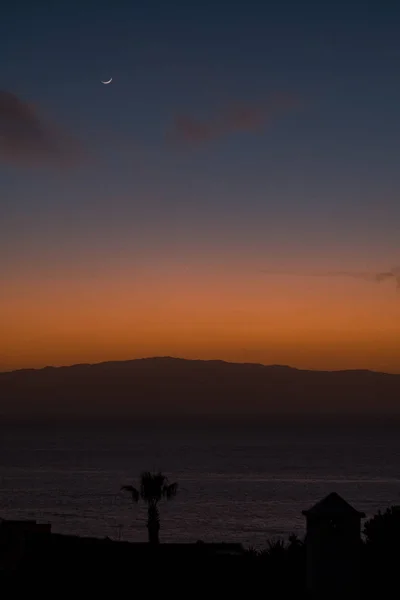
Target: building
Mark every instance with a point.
(17, 538)
(333, 546)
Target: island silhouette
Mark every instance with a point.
(166, 386)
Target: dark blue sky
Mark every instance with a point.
(334, 155)
(306, 177)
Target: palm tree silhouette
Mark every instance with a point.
(153, 488)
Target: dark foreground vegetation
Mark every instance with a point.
(34, 558)
(333, 560)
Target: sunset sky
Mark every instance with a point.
(137, 218)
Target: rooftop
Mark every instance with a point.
(331, 506)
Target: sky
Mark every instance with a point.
(222, 197)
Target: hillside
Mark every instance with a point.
(172, 386)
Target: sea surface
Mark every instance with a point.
(238, 482)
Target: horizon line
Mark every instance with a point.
(178, 358)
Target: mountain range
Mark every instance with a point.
(178, 387)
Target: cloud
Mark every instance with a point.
(232, 118)
(25, 139)
(190, 130)
(377, 276)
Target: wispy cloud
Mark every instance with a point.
(232, 118)
(26, 139)
(377, 276)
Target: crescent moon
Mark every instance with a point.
(107, 82)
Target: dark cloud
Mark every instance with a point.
(26, 139)
(378, 276)
(190, 130)
(232, 118)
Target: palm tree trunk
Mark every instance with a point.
(153, 524)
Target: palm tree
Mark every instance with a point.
(153, 488)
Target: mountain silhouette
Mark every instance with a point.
(180, 387)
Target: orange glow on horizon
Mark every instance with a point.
(221, 314)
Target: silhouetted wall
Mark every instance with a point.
(333, 546)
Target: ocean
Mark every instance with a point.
(244, 482)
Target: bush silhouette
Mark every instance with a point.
(383, 530)
(381, 552)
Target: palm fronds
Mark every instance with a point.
(133, 491)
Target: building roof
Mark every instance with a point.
(24, 526)
(331, 506)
